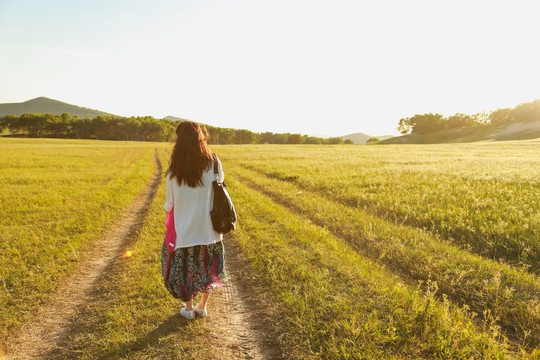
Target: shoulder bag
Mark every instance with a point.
(223, 214)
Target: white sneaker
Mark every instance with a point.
(187, 314)
(200, 312)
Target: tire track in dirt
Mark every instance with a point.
(237, 318)
(43, 336)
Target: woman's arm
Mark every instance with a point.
(170, 194)
(221, 174)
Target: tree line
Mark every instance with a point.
(430, 123)
(139, 128)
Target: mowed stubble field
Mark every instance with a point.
(359, 251)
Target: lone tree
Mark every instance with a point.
(422, 124)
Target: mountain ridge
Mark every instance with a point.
(43, 105)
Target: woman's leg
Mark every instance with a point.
(202, 303)
(189, 304)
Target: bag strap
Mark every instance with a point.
(214, 161)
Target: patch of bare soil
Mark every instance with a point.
(516, 128)
(41, 337)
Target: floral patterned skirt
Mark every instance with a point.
(195, 269)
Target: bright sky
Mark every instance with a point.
(315, 67)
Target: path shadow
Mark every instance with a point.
(173, 324)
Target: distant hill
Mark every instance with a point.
(361, 138)
(43, 105)
(515, 131)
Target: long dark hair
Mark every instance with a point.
(191, 155)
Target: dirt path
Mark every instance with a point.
(40, 338)
(236, 318)
(239, 321)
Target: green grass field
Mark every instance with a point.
(57, 197)
(483, 197)
(371, 252)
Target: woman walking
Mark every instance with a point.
(196, 264)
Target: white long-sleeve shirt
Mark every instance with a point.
(192, 208)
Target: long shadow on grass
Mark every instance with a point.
(173, 324)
